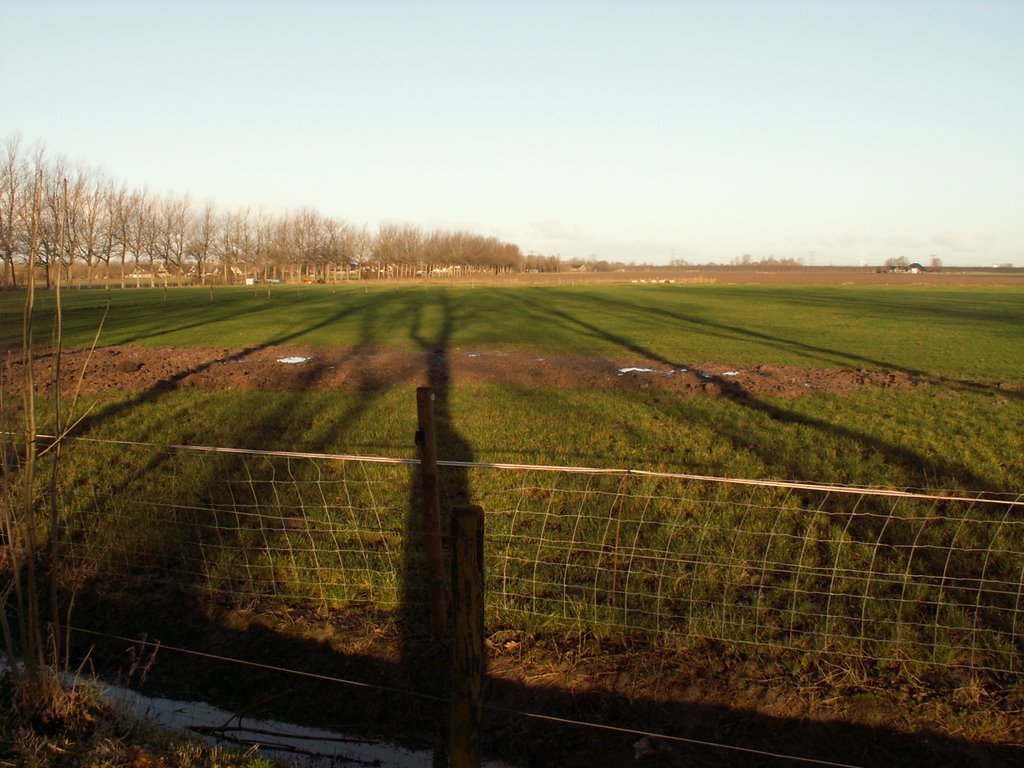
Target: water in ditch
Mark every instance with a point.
(296, 745)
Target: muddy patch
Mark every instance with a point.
(297, 367)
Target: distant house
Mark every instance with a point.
(913, 268)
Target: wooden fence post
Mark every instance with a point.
(427, 441)
(467, 634)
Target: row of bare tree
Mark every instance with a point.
(113, 231)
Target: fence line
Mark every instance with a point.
(667, 738)
(1016, 500)
(879, 576)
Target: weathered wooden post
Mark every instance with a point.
(467, 634)
(426, 439)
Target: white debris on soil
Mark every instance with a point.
(292, 744)
(623, 371)
(293, 360)
(731, 373)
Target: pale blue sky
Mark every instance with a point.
(626, 130)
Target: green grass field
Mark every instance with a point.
(802, 571)
(973, 333)
(963, 431)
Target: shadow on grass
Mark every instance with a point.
(427, 664)
(209, 517)
(367, 310)
(593, 307)
(913, 461)
(381, 701)
(407, 683)
(931, 549)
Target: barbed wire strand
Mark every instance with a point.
(446, 700)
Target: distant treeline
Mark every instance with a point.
(89, 225)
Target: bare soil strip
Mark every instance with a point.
(297, 367)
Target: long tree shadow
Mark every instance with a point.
(898, 455)
(936, 558)
(205, 530)
(216, 315)
(367, 310)
(968, 306)
(242, 510)
(404, 694)
(243, 665)
(254, 430)
(814, 352)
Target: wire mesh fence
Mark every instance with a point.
(855, 573)
(877, 575)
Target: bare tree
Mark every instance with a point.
(397, 249)
(260, 243)
(174, 224)
(91, 221)
(85, 219)
(306, 239)
(13, 176)
(100, 220)
(106, 223)
(144, 231)
(119, 211)
(201, 243)
(50, 213)
(342, 245)
(73, 189)
(234, 243)
(275, 237)
(63, 219)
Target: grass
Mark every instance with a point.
(949, 439)
(956, 332)
(669, 558)
(860, 580)
(86, 733)
(853, 576)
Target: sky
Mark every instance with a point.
(834, 132)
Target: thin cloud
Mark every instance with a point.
(964, 242)
(553, 229)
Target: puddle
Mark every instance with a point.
(293, 744)
(298, 745)
(293, 360)
(731, 373)
(623, 371)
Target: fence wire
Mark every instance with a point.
(877, 575)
